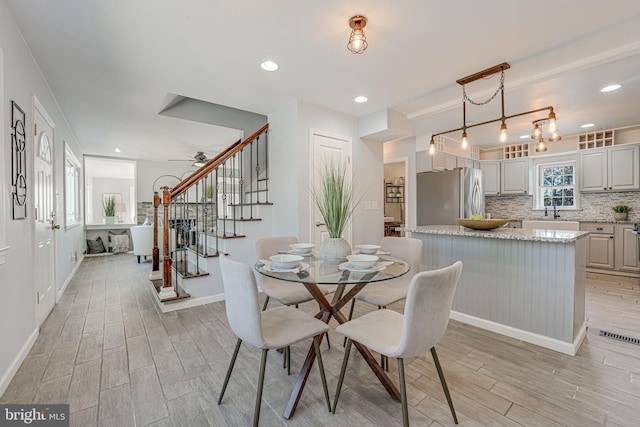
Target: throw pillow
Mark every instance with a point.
(95, 246)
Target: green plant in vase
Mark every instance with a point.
(620, 212)
(336, 199)
(109, 207)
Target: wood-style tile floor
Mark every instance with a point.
(107, 352)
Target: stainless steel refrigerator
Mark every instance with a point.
(444, 196)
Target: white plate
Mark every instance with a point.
(292, 252)
(302, 266)
(378, 266)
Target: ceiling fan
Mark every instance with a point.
(199, 159)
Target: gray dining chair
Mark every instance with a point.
(425, 319)
(279, 327)
(388, 292)
(286, 293)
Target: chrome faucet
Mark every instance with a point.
(545, 211)
(556, 214)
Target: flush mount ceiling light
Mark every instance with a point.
(361, 99)
(269, 66)
(357, 40)
(118, 150)
(610, 88)
(503, 136)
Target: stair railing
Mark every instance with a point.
(219, 189)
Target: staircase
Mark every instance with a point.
(223, 207)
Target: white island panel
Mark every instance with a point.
(524, 286)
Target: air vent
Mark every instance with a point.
(619, 337)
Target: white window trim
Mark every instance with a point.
(69, 156)
(537, 200)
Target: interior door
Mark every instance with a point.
(45, 213)
(326, 146)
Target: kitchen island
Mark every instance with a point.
(526, 284)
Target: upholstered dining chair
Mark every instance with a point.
(425, 319)
(142, 237)
(386, 293)
(279, 327)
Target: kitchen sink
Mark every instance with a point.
(551, 225)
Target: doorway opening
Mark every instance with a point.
(395, 197)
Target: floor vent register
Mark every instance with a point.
(619, 337)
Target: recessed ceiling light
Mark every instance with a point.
(118, 150)
(361, 99)
(524, 136)
(610, 88)
(269, 66)
(587, 125)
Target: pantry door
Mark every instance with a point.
(325, 147)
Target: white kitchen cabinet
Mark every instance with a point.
(464, 162)
(626, 249)
(514, 176)
(610, 169)
(601, 245)
(491, 169)
(426, 162)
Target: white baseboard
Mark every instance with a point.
(7, 376)
(185, 303)
(69, 277)
(537, 339)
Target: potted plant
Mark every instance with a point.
(336, 200)
(109, 206)
(620, 212)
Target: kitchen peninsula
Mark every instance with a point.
(526, 284)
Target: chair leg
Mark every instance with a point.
(138, 258)
(444, 383)
(266, 301)
(316, 345)
(256, 412)
(328, 342)
(353, 303)
(403, 393)
(288, 356)
(233, 361)
(342, 371)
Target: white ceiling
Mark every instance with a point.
(111, 63)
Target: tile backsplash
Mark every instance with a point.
(594, 207)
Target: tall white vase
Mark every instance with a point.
(334, 250)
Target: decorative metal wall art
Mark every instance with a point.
(18, 162)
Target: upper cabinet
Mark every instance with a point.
(514, 176)
(491, 169)
(614, 168)
(440, 161)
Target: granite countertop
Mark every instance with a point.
(533, 235)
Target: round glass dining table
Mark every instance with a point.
(348, 282)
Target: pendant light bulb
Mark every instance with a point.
(503, 132)
(552, 122)
(541, 146)
(555, 136)
(536, 133)
(465, 140)
(432, 147)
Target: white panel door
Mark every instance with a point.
(325, 146)
(45, 214)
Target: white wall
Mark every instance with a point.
(23, 79)
(289, 172)
(148, 171)
(111, 186)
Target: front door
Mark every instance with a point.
(325, 146)
(45, 213)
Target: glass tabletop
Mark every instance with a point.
(314, 270)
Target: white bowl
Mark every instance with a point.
(301, 248)
(367, 249)
(362, 261)
(285, 261)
